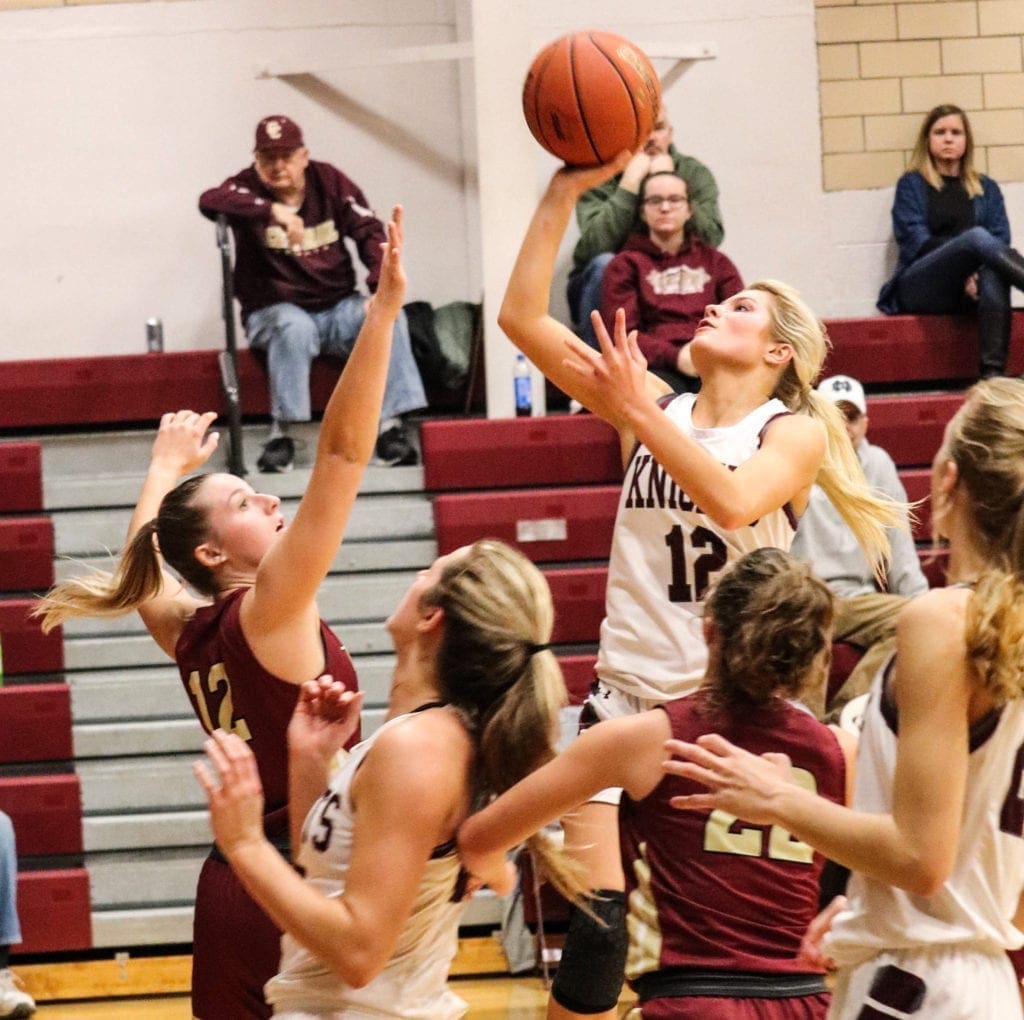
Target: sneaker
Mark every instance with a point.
(13, 1001)
(278, 456)
(395, 446)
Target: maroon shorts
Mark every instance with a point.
(236, 948)
(698, 1007)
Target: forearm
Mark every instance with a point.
(868, 843)
(349, 427)
(325, 926)
(307, 780)
(232, 200)
(160, 479)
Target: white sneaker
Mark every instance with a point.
(14, 1003)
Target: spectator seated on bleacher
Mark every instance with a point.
(664, 278)
(608, 214)
(865, 616)
(954, 239)
(294, 278)
(13, 1001)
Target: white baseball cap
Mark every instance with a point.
(844, 388)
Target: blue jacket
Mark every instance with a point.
(910, 226)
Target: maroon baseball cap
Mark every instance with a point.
(278, 132)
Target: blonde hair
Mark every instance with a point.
(840, 475)
(178, 528)
(772, 619)
(986, 442)
(923, 162)
(494, 664)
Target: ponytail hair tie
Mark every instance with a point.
(532, 649)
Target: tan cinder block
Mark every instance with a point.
(921, 94)
(1006, 162)
(842, 134)
(885, 133)
(10, 5)
(963, 56)
(883, 60)
(856, 24)
(952, 19)
(836, 3)
(1003, 90)
(981, 160)
(1001, 17)
(850, 98)
(998, 127)
(838, 62)
(851, 171)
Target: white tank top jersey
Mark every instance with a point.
(975, 906)
(665, 554)
(414, 983)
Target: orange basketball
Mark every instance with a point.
(589, 95)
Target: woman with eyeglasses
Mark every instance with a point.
(664, 278)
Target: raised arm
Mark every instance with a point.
(293, 569)
(181, 446)
(913, 848)
(524, 312)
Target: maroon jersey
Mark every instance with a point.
(230, 690)
(707, 891)
(320, 273)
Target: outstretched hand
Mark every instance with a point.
(236, 801)
(325, 717)
(616, 378)
(744, 784)
(392, 281)
(182, 443)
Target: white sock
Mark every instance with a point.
(278, 429)
(389, 423)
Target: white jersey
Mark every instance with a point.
(974, 907)
(665, 554)
(414, 983)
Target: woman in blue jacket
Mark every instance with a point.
(954, 238)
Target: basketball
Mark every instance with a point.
(589, 95)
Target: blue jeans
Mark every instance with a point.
(934, 285)
(584, 294)
(293, 337)
(10, 930)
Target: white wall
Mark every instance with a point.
(116, 116)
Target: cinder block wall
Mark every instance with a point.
(882, 66)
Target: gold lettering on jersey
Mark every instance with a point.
(645, 938)
(205, 697)
(725, 834)
(323, 234)
(679, 280)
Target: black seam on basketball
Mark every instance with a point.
(579, 103)
(541, 125)
(629, 92)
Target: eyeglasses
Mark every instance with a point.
(673, 200)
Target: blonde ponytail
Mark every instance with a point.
(136, 579)
(841, 476)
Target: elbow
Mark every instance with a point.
(509, 322)
(728, 518)
(928, 875)
(358, 968)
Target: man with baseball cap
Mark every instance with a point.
(865, 616)
(296, 283)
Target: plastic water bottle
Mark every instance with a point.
(154, 336)
(524, 387)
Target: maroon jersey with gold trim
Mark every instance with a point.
(230, 690)
(705, 890)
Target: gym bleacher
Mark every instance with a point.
(98, 737)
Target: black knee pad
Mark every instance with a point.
(593, 963)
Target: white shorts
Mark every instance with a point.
(936, 983)
(604, 702)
